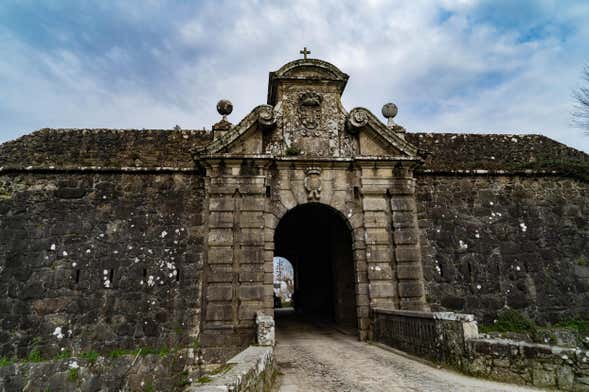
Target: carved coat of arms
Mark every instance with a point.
(310, 110)
(312, 183)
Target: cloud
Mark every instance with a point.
(466, 66)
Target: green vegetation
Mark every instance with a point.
(195, 344)
(582, 261)
(90, 356)
(73, 374)
(221, 369)
(183, 379)
(510, 320)
(204, 380)
(5, 193)
(581, 326)
(161, 351)
(5, 362)
(65, 354)
(149, 387)
(34, 356)
(292, 151)
(121, 352)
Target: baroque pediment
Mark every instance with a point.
(304, 118)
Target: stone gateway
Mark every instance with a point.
(128, 238)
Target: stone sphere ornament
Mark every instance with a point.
(224, 107)
(389, 110)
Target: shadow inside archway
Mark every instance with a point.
(318, 243)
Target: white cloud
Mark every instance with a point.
(447, 66)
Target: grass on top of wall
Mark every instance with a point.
(510, 320)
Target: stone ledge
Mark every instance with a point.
(250, 370)
(489, 172)
(99, 169)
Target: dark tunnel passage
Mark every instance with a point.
(316, 240)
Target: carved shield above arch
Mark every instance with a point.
(312, 183)
(305, 119)
(309, 110)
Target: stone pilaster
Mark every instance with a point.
(375, 181)
(235, 286)
(406, 241)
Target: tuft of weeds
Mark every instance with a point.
(222, 369)
(510, 320)
(65, 354)
(90, 356)
(292, 151)
(581, 326)
(34, 356)
(143, 351)
(161, 351)
(183, 379)
(121, 352)
(4, 361)
(204, 380)
(73, 375)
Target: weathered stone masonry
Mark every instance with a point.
(99, 257)
(304, 148)
(123, 238)
(500, 228)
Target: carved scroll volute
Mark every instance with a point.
(357, 119)
(266, 117)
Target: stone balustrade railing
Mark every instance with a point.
(452, 339)
(437, 336)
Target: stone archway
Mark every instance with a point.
(304, 150)
(318, 241)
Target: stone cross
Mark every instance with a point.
(305, 52)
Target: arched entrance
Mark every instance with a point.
(316, 239)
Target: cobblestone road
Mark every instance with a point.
(312, 358)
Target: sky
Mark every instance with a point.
(499, 66)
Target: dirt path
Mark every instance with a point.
(311, 358)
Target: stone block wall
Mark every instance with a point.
(495, 240)
(524, 363)
(99, 260)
